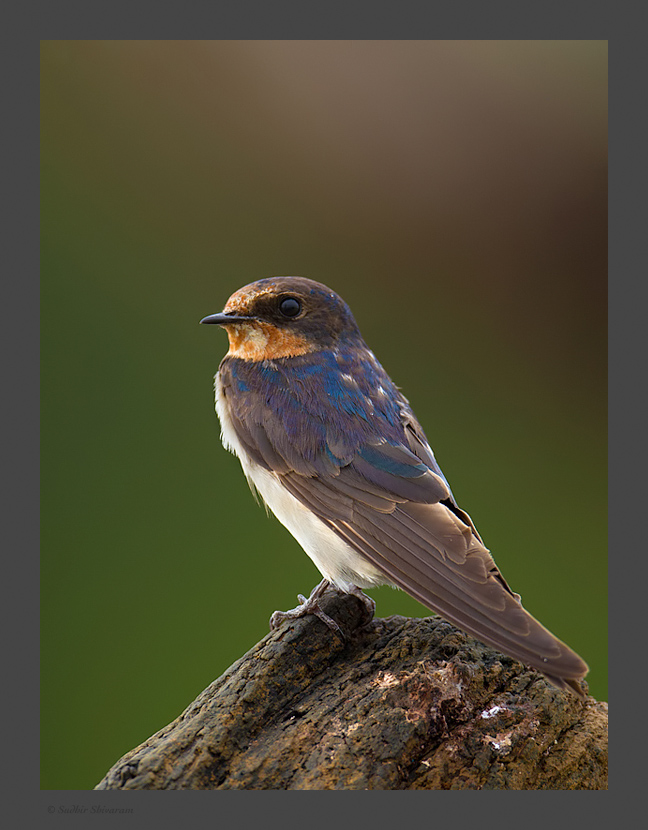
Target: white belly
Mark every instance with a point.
(333, 557)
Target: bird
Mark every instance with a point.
(335, 451)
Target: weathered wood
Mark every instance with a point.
(403, 704)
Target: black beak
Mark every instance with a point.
(225, 319)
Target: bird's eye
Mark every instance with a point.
(290, 307)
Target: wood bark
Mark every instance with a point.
(403, 704)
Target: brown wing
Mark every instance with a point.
(430, 552)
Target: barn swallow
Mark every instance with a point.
(336, 453)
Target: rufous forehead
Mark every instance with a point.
(242, 300)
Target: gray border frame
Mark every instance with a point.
(577, 20)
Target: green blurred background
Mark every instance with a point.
(453, 192)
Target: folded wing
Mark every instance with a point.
(387, 498)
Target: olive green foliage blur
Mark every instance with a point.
(454, 193)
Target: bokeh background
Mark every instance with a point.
(453, 192)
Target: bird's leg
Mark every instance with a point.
(308, 606)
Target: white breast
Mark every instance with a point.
(333, 557)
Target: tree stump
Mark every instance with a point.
(403, 704)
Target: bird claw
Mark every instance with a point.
(368, 604)
(312, 606)
(308, 606)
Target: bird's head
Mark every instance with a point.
(285, 317)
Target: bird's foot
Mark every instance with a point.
(368, 604)
(312, 606)
(308, 606)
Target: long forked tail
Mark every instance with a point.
(418, 550)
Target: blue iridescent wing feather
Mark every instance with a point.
(323, 412)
